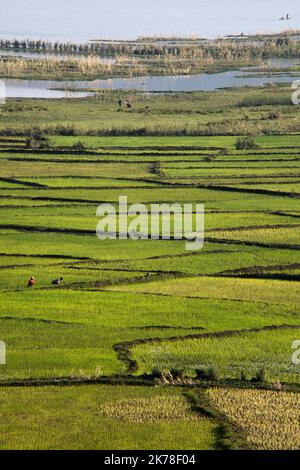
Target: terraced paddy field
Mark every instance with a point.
(102, 416)
(211, 328)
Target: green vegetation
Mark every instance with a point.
(222, 288)
(50, 418)
(147, 312)
(246, 143)
(230, 354)
(238, 112)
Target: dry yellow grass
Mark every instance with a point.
(271, 419)
(83, 65)
(152, 410)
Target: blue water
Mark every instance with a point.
(77, 20)
(17, 88)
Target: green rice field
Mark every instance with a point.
(82, 357)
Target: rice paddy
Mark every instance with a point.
(270, 418)
(134, 311)
(88, 418)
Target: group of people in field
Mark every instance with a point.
(32, 282)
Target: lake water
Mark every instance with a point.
(78, 21)
(16, 88)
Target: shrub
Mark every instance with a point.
(79, 146)
(261, 375)
(37, 140)
(156, 373)
(178, 373)
(271, 116)
(213, 374)
(243, 376)
(210, 374)
(68, 129)
(246, 143)
(201, 374)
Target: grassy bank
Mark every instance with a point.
(266, 110)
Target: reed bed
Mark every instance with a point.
(43, 66)
(92, 67)
(138, 58)
(267, 46)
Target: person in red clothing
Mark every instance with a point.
(31, 282)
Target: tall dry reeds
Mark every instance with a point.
(256, 47)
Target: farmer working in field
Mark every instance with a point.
(56, 282)
(31, 282)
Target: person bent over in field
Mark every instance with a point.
(58, 281)
(31, 282)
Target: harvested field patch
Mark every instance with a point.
(271, 419)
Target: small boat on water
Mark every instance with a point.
(285, 18)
